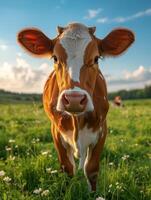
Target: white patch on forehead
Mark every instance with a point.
(75, 40)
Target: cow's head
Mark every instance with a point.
(76, 52)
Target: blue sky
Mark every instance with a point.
(21, 72)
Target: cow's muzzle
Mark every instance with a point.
(74, 102)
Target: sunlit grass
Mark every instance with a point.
(29, 168)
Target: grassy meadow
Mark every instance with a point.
(29, 168)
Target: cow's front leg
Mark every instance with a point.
(91, 166)
(64, 153)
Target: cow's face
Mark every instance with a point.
(76, 63)
(75, 52)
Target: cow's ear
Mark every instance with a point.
(116, 42)
(35, 42)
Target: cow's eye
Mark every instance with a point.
(96, 59)
(55, 59)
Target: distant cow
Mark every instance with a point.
(118, 101)
(75, 94)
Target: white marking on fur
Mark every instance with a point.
(89, 151)
(101, 76)
(89, 106)
(88, 156)
(86, 137)
(60, 106)
(66, 140)
(75, 40)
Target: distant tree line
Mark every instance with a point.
(6, 96)
(132, 94)
(13, 97)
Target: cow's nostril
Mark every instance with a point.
(83, 100)
(65, 100)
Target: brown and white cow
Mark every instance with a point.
(75, 94)
(118, 101)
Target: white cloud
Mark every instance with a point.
(3, 47)
(140, 14)
(22, 77)
(102, 20)
(134, 79)
(19, 54)
(132, 17)
(92, 13)
(136, 74)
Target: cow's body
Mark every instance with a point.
(75, 94)
(75, 135)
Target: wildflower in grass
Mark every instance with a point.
(33, 141)
(44, 153)
(125, 157)
(12, 157)
(54, 172)
(37, 191)
(110, 187)
(119, 187)
(8, 148)
(16, 146)
(11, 141)
(100, 198)
(7, 179)
(45, 193)
(2, 173)
(111, 163)
(146, 167)
(48, 170)
(111, 130)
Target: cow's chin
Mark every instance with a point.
(75, 111)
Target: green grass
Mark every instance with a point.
(28, 157)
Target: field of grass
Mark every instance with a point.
(29, 169)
